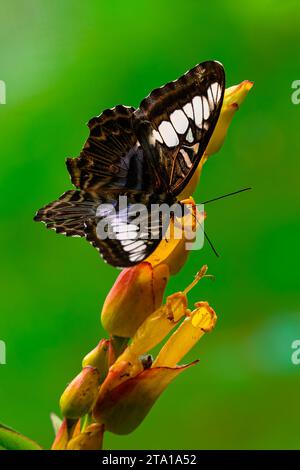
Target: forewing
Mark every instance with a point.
(183, 114)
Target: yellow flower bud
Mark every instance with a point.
(80, 394)
(90, 439)
(233, 98)
(99, 357)
(137, 292)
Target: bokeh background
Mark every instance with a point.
(64, 62)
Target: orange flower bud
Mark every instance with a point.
(137, 292)
(81, 393)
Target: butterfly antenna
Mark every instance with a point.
(211, 245)
(226, 195)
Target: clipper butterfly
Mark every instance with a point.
(147, 155)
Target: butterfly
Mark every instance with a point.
(146, 156)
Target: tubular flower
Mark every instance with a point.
(174, 250)
(133, 385)
(233, 98)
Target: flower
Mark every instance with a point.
(174, 249)
(133, 385)
(233, 98)
(137, 292)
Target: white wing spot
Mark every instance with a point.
(157, 136)
(179, 121)
(136, 246)
(189, 136)
(197, 104)
(206, 111)
(210, 97)
(126, 235)
(188, 109)
(124, 227)
(126, 242)
(219, 92)
(215, 87)
(134, 257)
(168, 134)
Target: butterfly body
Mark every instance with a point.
(134, 158)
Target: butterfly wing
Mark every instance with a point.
(183, 114)
(112, 157)
(180, 118)
(124, 231)
(69, 213)
(129, 233)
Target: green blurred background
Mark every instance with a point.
(64, 62)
